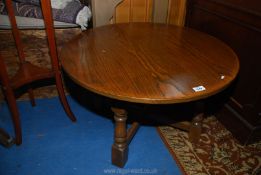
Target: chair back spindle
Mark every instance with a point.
(15, 31)
(49, 28)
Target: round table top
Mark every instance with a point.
(149, 63)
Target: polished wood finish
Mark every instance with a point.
(238, 23)
(29, 73)
(148, 63)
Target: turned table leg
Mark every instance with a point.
(194, 127)
(120, 146)
(196, 123)
(122, 137)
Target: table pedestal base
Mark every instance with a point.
(194, 128)
(122, 137)
(119, 156)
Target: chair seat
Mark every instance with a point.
(28, 73)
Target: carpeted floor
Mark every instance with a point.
(216, 153)
(52, 144)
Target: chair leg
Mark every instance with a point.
(15, 114)
(31, 96)
(60, 89)
(10, 98)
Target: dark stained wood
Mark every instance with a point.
(29, 73)
(194, 128)
(149, 63)
(15, 31)
(122, 137)
(56, 67)
(10, 98)
(238, 23)
(119, 153)
(132, 131)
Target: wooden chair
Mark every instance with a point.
(29, 73)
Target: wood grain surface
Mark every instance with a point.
(149, 63)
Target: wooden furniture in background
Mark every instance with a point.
(134, 11)
(157, 11)
(103, 11)
(122, 11)
(29, 73)
(177, 12)
(238, 23)
(126, 62)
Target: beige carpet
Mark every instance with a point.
(217, 152)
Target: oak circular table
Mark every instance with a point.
(147, 63)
